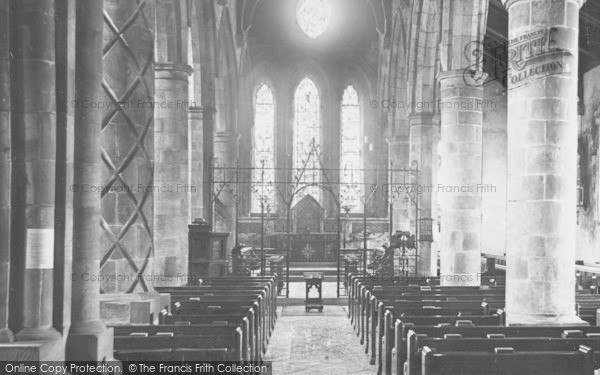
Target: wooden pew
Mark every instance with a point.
(218, 308)
(388, 310)
(268, 298)
(131, 339)
(169, 355)
(367, 318)
(249, 306)
(442, 345)
(534, 363)
(361, 296)
(407, 334)
(266, 306)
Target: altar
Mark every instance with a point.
(308, 241)
(313, 247)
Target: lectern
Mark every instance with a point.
(314, 280)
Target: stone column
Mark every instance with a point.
(208, 156)
(128, 183)
(459, 188)
(6, 334)
(225, 151)
(196, 163)
(398, 147)
(421, 126)
(88, 339)
(171, 173)
(542, 161)
(33, 85)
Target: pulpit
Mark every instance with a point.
(207, 251)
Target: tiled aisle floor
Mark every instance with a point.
(316, 343)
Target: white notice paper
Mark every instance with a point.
(39, 249)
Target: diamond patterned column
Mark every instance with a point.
(127, 145)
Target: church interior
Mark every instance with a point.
(300, 186)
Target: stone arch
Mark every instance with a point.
(398, 78)
(204, 46)
(171, 31)
(226, 77)
(422, 54)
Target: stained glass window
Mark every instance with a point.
(313, 16)
(307, 138)
(351, 158)
(264, 150)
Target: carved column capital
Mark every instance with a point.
(508, 3)
(171, 70)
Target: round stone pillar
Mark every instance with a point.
(33, 86)
(88, 339)
(459, 188)
(398, 159)
(542, 161)
(196, 163)
(6, 334)
(421, 129)
(171, 152)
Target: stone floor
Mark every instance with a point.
(316, 343)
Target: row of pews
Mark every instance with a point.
(224, 319)
(429, 329)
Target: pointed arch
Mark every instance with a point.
(423, 58)
(263, 147)
(351, 150)
(227, 77)
(307, 133)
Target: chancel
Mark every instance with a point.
(300, 186)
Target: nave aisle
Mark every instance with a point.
(316, 343)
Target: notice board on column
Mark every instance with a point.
(39, 249)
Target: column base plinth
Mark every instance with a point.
(6, 335)
(138, 308)
(48, 350)
(94, 347)
(38, 334)
(513, 319)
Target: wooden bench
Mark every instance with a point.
(507, 362)
(519, 344)
(170, 355)
(138, 338)
(406, 335)
(388, 310)
(227, 318)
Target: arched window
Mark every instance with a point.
(313, 16)
(263, 154)
(307, 138)
(351, 155)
